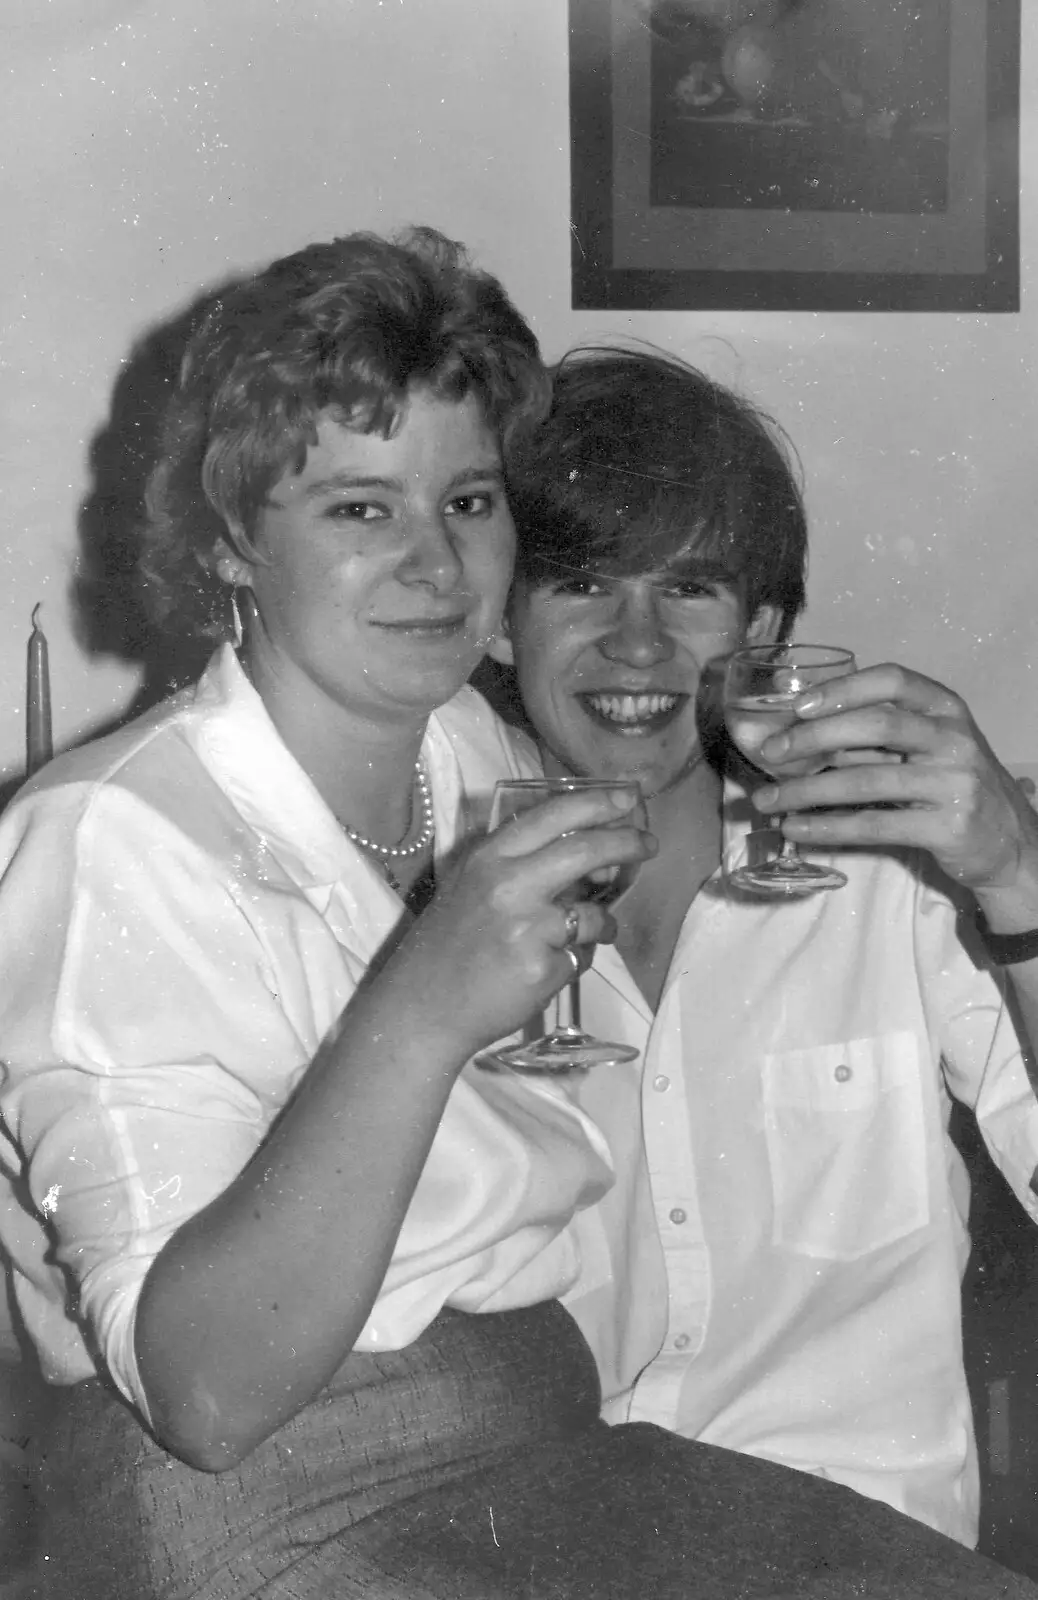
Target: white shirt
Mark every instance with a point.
(778, 1266)
(182, 920)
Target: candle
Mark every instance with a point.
(38, 745)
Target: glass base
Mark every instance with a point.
(785, 877)
(564, 1050)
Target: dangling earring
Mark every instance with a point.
(227, 574)
(238, 630)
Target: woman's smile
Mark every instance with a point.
(425, 627)
(383, 567)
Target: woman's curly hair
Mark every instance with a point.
(347, 326)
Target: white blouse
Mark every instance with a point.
(182, 920)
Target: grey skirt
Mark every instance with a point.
(470, 1466)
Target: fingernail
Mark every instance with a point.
(805, 704)
(777, 744)
(765, 797)
(623, 799)
(651, 843)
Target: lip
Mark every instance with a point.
(428, 627)
(632, 713)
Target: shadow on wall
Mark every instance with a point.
(108, 614)
(110, 618)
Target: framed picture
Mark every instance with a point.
(825, 155)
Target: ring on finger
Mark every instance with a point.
(572, 926)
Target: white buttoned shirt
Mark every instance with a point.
(777, 1267)
(182, 920)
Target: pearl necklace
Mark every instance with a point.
(386, 853)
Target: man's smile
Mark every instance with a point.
(633, 712)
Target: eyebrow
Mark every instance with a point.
(716, 571)
(490, 472)
(709, 571)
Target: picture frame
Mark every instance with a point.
(811, 197)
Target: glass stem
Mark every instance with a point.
(789, 851)
(567, 1008)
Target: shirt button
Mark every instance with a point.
(682, 1341)
(842, 1073)
(661, 1084)
(677, 1215)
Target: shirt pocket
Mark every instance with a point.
(846, 1141)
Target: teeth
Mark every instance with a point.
(632, 707)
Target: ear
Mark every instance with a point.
(230, 566)
(764, 625)
(500, 647)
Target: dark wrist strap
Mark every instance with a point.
(1006, 949)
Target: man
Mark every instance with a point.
(778, 1267)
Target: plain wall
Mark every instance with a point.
(150, 149)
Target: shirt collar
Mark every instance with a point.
(738, 817)
(239, 744)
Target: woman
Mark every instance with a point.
(312, 1346)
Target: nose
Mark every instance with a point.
(430, 555)
(637, 636)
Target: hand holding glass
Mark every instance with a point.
(762, 684)
(566, 1047)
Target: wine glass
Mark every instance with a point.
(566, 1047)
(760, 687)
